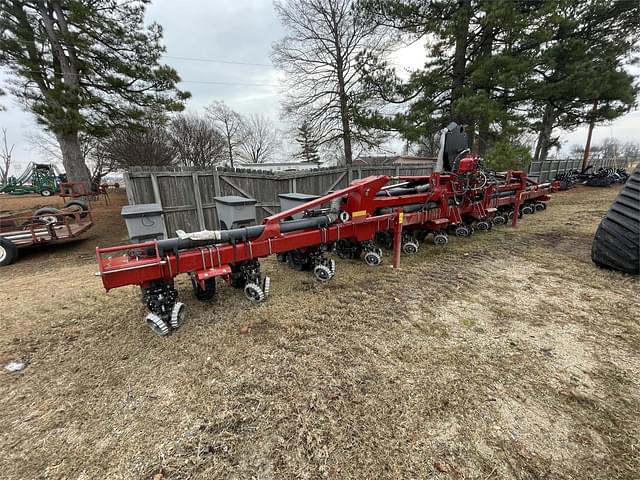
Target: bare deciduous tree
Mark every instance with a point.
(230, 125)
(5, 158)
(151, 147)
(260, 139)
(320, 56)
(197, 142)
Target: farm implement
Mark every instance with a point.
(354, 222)
(36, 178)
(46, 225)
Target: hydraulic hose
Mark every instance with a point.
(213, 237)
(396, 191)
(416, 207)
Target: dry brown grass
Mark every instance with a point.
(508, 355)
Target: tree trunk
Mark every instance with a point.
(460, 56)
(342, 92)
(346, 133)
(72, 158)
(544, 136)
(587, 147)
(230, 151)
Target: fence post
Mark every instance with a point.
(131, 200)
(216, 183)
(198, 199)
(158, 199)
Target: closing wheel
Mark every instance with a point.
(266, 286)
(8, 252)
(332, 266)
(156, 324)
(463, 231)
(483, 225)
(527, 210)
(440, 239)
(253, 292)
(539, 206)
(499, 220)
(372, 259)
(322, 273)
(178, 315)
(410, 247)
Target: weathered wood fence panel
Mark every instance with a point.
(188, 195)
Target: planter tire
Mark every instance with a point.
(616, 244)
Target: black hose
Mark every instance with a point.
(242, 234)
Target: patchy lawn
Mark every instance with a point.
(506, 355)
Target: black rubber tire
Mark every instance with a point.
(204, 294)
(84, 211)
(49, 212)
(617, 242)
(46, 192)
(8, 252)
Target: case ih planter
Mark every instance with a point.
(347, 222)
(44, 226)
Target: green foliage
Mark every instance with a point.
(507, 155)
(86, 65)
(308, 144)
(503, 67)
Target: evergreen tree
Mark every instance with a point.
(86, 66)
(308, 144)
(473, 66)
(578, 74)
(503, 66)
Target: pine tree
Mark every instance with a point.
(308, 144)
(578, 74)
(474, 63)
(86, 66)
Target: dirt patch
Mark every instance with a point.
(507, 355)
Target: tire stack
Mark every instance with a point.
(617, 242)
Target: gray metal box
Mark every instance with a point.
(292, 200)
(144, 221)
(234, 212)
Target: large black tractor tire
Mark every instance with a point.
(8, 252)
(617, 241)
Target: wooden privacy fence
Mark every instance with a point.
(547, 170)
(187, 195)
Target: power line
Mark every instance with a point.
(192, 59)
(234, 84)
(211, 60)
(211, 82)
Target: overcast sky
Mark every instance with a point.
(238, 31)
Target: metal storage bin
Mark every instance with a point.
(291, 200)
(144, 221)
(234, 212)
